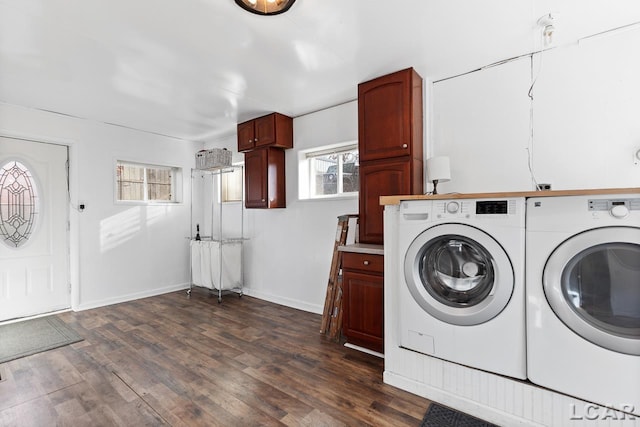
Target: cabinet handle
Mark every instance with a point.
(404, 145)
(255, 139)
(263, 200)
(365, 262)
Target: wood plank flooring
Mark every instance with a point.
(173, 360)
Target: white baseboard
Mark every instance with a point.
(289, 302)
(130, 297)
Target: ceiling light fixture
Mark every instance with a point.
(265, 7)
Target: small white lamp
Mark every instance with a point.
(438, 170)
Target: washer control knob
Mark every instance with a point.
(453, 207)
(619, 211)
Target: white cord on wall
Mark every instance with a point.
(530, 143)
(69, 200)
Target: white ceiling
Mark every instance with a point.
(192, 69)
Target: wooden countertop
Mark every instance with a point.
(395, 200)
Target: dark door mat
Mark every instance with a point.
(441, 416)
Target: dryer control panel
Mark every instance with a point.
(608, 204)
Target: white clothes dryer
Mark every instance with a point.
(461, 284)
(583, 297)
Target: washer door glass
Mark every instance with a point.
(456, 271)
(459, 274)
(592, 282)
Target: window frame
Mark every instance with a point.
(237, 167)
(307, 173)
(176, 183)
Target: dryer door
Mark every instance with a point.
(592, 283)
(459, 274)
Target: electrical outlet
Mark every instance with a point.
(544, 187)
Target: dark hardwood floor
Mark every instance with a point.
(173, 360)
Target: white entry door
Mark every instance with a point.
(34, 248)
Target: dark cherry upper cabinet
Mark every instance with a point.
(272, 130)
(265, 178)
(390, 116)
(390, 141)
(263, 141)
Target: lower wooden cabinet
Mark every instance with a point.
(363, 300)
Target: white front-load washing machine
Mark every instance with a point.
(461, 284)
(583, 297)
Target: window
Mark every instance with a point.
(146, 183)
(232, 184)
(333, 171)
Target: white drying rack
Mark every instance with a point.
(217, 263)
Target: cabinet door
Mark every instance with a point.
(276, 189)
(382, 178)
(265, 130)
(363, 315)
(274, 130)
(265, 178)
(246, 136)
(390, 116)
(255, 179)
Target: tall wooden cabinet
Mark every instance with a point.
(263, 140)
(390, 141)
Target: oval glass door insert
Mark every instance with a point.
(18, 204)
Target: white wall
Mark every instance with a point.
(585, 126)
(122, 252)
(288, 254)
(118, 252)
(585, 120)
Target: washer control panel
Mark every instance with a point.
(453, 208)
(618, 208)
(468, 208)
